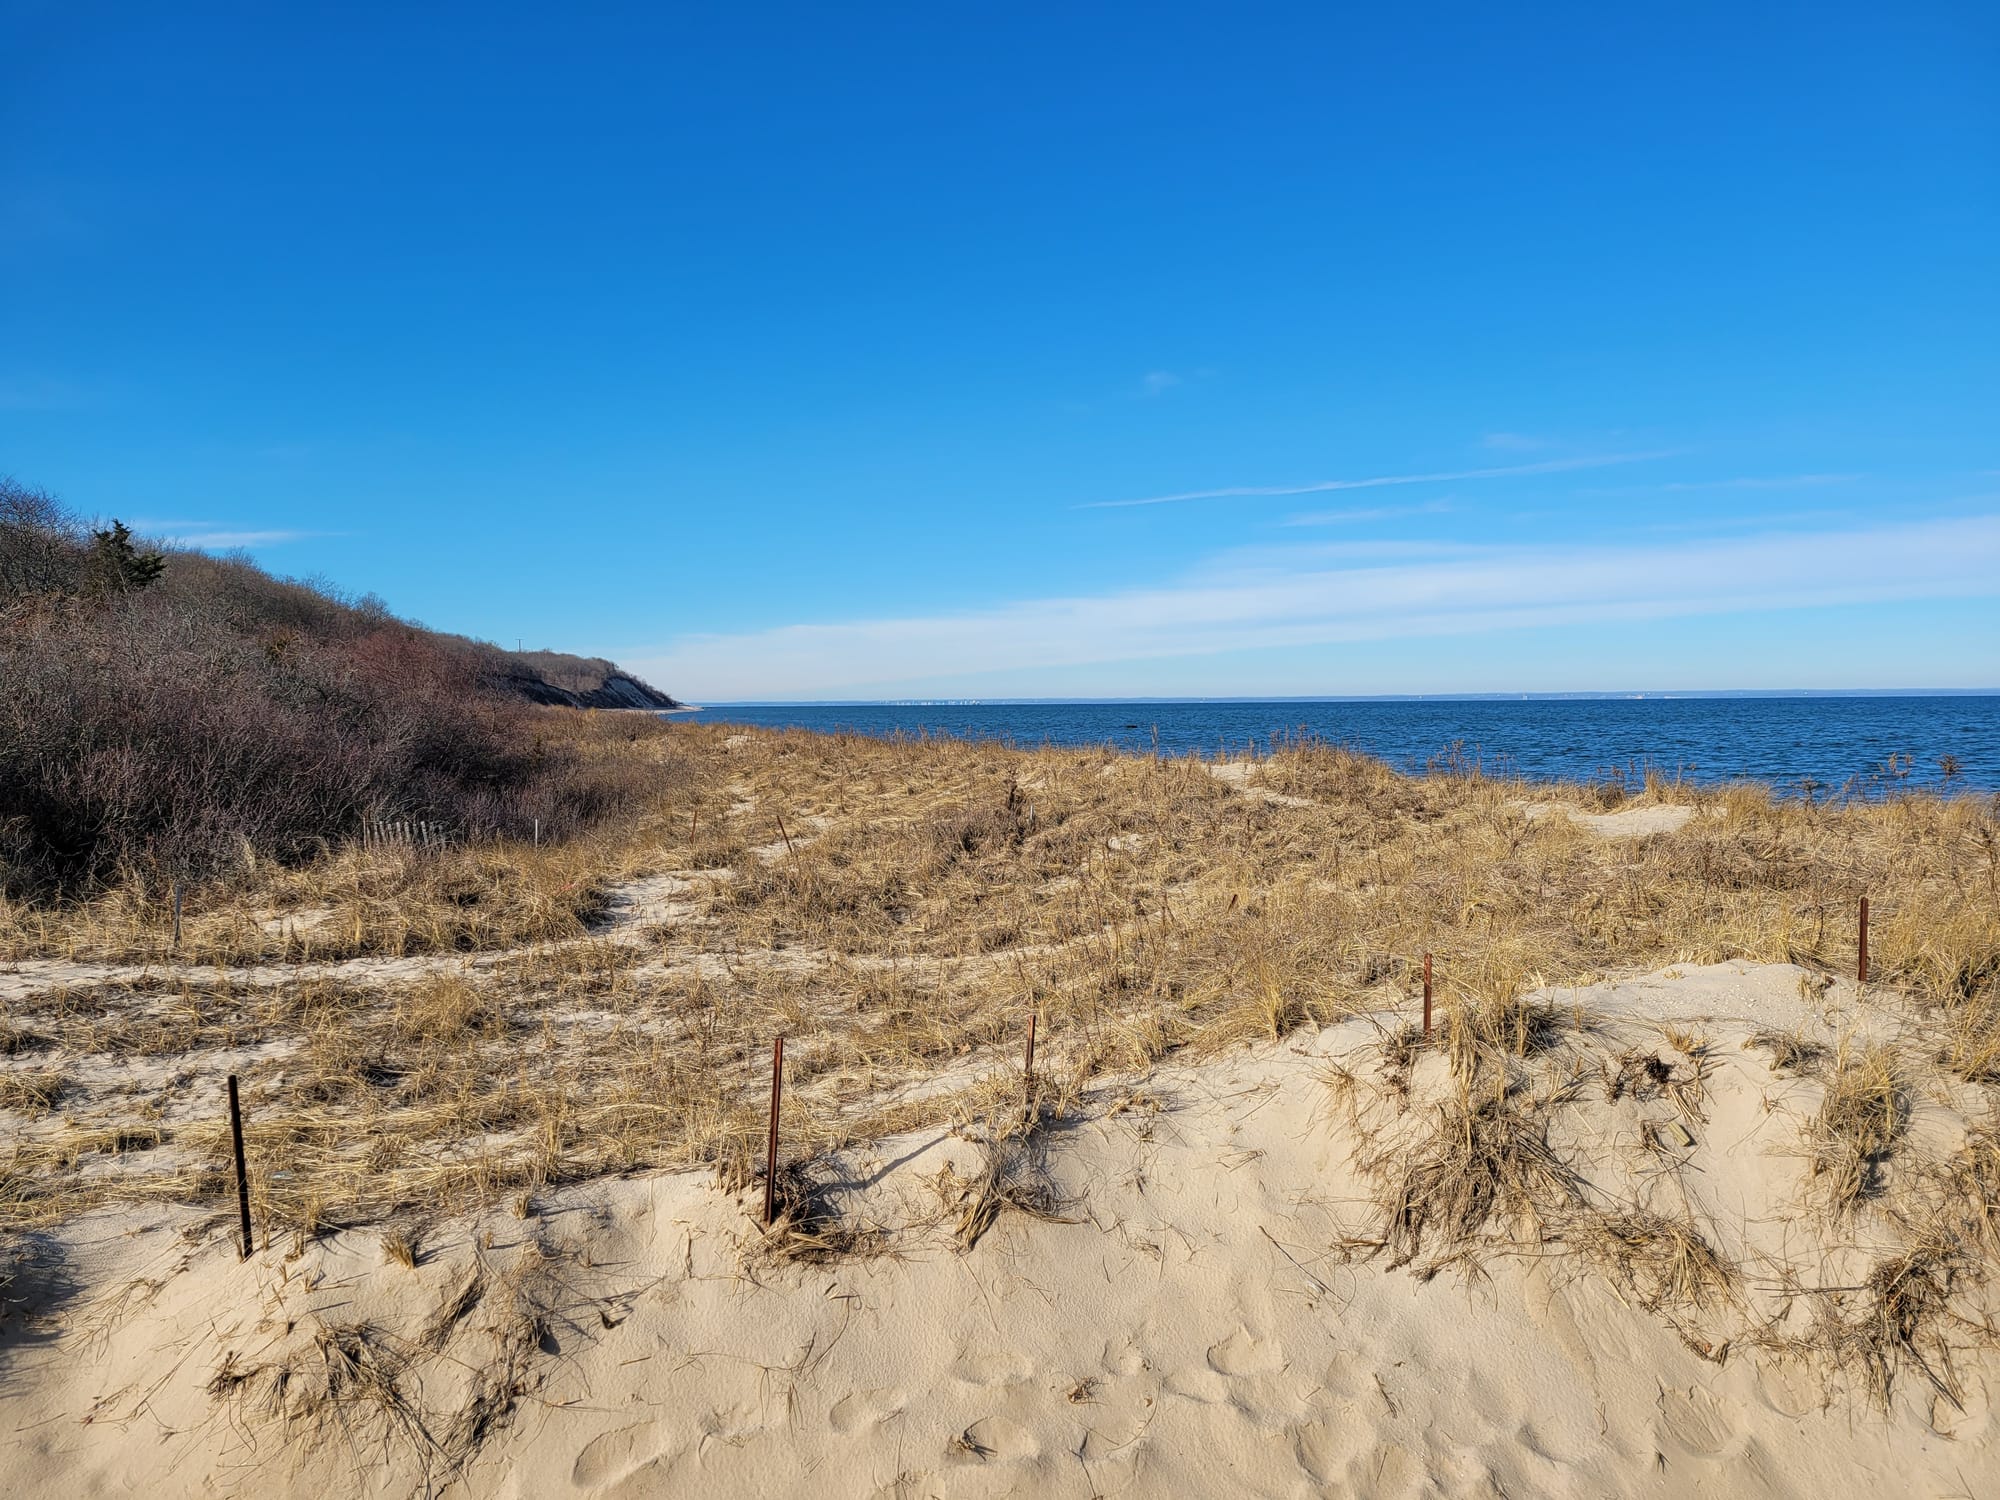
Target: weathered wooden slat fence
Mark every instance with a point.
(409, 834)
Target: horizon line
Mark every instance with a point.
(1592, 694)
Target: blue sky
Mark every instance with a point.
(995, 351)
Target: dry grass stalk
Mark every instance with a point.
(808, 1225)
(1860, 1121)
(1015, 1176)
(1480, 1161)
(1144, 906)
(1791, 1051)
(32, 1092)
(1664, 1262)
(435, 1392)
(1897, 1320)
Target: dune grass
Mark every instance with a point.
(429, 1030)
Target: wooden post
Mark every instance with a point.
(1861, 969)
(177, 914)
(1029, 1069)
(771, 1151)
(242, 1172)
(538, 833)
(1427, 996)
(787, 838)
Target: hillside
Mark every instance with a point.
(171, 714)
(563, 681)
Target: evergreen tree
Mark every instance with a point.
(116, 566)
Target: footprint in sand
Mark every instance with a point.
(1789, 1389)
(1388, 1470)
(1114, 1412)
(995, 1440)
(990, 1367)
(1318, 1451)
(858, 1411)
(1695, 1420)
(1240, 1354)
(611, 1454)
(1950, 1421)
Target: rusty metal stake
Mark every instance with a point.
(1427, 997)
(1029, 1070)
(242, 1173)
(1861, 969)
(787, 838)
(771, 1152)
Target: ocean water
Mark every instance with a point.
(1857, 745)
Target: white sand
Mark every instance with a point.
(1237, 773)
(1626, 823)
(1190, 1333)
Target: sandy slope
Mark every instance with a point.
(1626, 823)
(1189, 1329)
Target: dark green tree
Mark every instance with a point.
(115, 566)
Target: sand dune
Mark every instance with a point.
(1200, 1304)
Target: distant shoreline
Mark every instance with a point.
(1675, 695)
(1863, 743)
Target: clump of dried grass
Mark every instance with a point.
(15, 1039)
(1398, 1048)
(445, 1010)
(399, 1247)
(431, 1395)
(1861, 1119)
(32, 1091)
(1480, 1162)
(1901, 1317)
(1646, 1075)
(1972, 1186)
(1897, 1320)
(1015, 1176)
(1665, 1263)
(1791, 1051)
(1488, 1033)
(808, 1225)
(1972, 1034)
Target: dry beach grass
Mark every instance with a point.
(430, 1034)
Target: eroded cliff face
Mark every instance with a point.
(579, 682)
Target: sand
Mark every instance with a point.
(1185, 1324)
(1626, 823)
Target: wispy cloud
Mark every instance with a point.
(216, 536)
(1157, 382)
(224, 540)
(1505, 471)
(1749, 482)
(1311, 598)
(1366, 513)
(1766, 519)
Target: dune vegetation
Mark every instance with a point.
(169, 714)
(428, 1033)
(423, 1029)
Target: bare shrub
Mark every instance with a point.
(185, 726)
